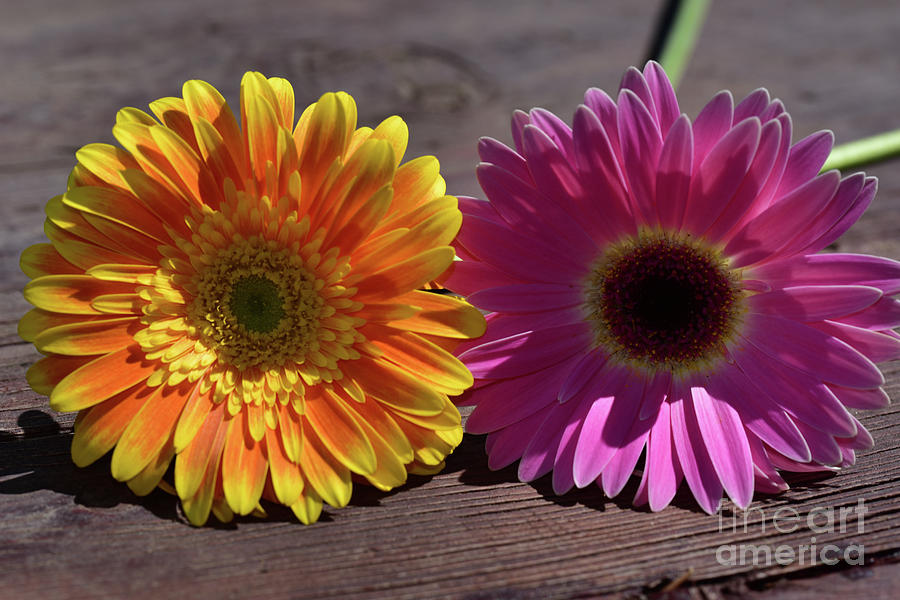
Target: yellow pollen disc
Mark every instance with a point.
(257, 306)
(261, 313)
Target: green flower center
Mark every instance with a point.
(256, 303)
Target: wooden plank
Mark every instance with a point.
(454, 71)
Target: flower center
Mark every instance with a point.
(257, 304)
(663, 303)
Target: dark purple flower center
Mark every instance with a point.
(663, 302)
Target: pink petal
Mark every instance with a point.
(664, 101)
(884, 314)
(831, 269)
(874, 345)
(585, 370)
(743, 202)
(719, 176)
(835, 214)
(555, 128)
(641, 144)
(752, 105)
(805, 160)
(774, 110)
(479, 208)
(861, 441)
(759, 413)
(506, 446)
(598, 166)
(766, 196)
(633, 80)
(673, 175)
(692, 455)
(496, 152)
(507, 401)
(822, 446)
(564, 463)
(531, 213)
(526, 352)
(658, 389)
(844, 210)
(725, 439)
(866, 399)
(519, 120)
(815, 303)
(500, 326)
(529, 297)
(518, 255)
(713, 121)
(813, 352)
(606, 110)
(468, 276)
(616, 400)
(761, 238)
(621, 466)
(663, 470)
(766, 478)
(786, 464)
(539, 456)
(551, 170)
(801, 395)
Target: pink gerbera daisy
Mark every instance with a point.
(656, 291)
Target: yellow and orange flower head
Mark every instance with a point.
(244, 300)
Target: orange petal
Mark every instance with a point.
(360, 225)
(118, 207)
(396, 133)
(197, 507)
(375, 415)
(441, 315)
(149, 431)
(45, 374)
(146, 481)
(329, 478)
(368, 170)
(405, 276)
(286, 478)
(339, 432)
(100, 379)
(88, 337)
(244, 466)
(284, 101)
(395, 387)
(437, 230)
(308, 508)
(70, 293)
(44, 259)
(203, 101)
(420, 357)
(36, 321)
(192, 465)
(105, 161)
(98, 428)
(291, 430)
(172, 112)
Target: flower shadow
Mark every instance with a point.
(39, 459)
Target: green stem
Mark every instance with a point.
(865, 151)
(681, 41)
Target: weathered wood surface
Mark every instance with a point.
(454, 71)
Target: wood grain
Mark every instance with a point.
(454, 71)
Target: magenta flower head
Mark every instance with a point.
(656, 291)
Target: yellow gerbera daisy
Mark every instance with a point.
(244, 300)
